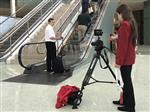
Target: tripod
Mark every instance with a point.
(97, 57)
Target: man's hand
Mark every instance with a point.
(58, 34)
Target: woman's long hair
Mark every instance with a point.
(128, 16)
(116, 22)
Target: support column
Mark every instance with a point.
(13, 8)
(146, 22)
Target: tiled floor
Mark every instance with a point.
(27, 97)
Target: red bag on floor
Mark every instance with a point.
(121, 97)
(64, 93)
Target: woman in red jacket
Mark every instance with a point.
(125, 55)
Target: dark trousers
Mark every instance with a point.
(128, 91)
(51, 55)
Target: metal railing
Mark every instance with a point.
(24, 20)
(17, 11)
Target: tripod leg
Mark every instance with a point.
(86, 79)
(108, 66)
(90, 71)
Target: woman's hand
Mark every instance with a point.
(113, 37)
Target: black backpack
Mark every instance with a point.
(58, 66)
(75, 96)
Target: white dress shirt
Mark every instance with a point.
(49, 32)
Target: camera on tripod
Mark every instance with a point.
(98, 32)
(98, 43)
(100, 54)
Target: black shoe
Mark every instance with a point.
(67, 70)
(117, 102)
(126, 109)
(49, 71)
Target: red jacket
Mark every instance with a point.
(63, 94)
(125, 54)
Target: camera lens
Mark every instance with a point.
(98, 32)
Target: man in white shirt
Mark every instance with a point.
(50, 39)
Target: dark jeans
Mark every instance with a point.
(51, 55)
(128, 91)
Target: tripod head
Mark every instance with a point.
(98, 43)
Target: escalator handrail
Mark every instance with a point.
(20, 52)
(64, 23)
(15, 12)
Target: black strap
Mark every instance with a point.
(77, 100)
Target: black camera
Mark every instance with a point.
(98, 32)
(98, 43)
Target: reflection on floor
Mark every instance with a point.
(72, 57)
(143, 50)
(41, 78)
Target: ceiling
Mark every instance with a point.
(134, 4)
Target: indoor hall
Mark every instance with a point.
(25, 90)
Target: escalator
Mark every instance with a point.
(20, 32)
(74, 50)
